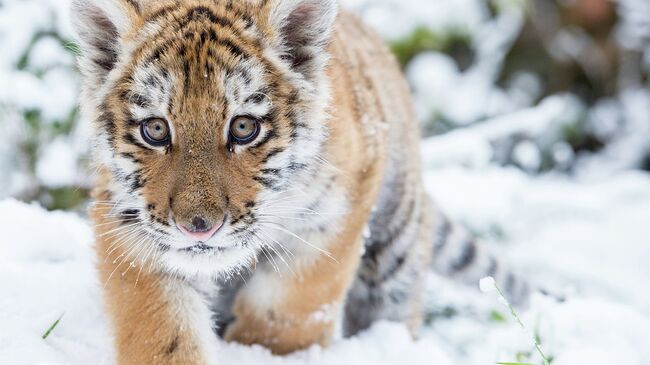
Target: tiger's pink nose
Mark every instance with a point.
(200, 229)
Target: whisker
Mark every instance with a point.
(115, 269)
(281, 228)
(118, 229)
(115, 221)
(271, 261)
(127, 238)
(276, 252)
(282, 217)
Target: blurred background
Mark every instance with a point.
(578, 69)
(536, 120)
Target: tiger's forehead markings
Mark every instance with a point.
(231, 36)
(234, 10)
(148, 93)
(236, 20)
(213, 48)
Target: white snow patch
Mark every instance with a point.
(487, 284)
(57, 166)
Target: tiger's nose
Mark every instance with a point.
(199, 229)
(199, 224)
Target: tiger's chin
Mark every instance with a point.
(201, 261)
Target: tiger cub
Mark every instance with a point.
(272, 140)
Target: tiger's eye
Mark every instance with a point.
(155, 131)
(244, 129)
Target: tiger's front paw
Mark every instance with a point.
(281, 336)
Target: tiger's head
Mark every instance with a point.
(206, 114)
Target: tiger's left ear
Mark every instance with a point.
(304, 28)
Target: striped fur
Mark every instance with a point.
(336, 155)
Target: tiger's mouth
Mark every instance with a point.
(202, 248)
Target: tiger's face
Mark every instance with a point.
(208, 115)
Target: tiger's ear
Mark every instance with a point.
(99, 25)
(304, 28)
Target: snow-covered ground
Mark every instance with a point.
(588, 239)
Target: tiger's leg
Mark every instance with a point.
(390, 282)
(294, 310)
(156, 319)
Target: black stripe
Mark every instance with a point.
(297, 166)
(398, 263)
(272, 153)
(239, 13)
(137, 99)
(128, 216)
(134, 4)
(255, 98)
(130, 156)
(266, 182)
(157, 53)
(271, 116)
(137, 181)
(392, 234)
(153, 81)
(105, 63)
(236, 220)
(492, 269)
(442, 235)
(162, 12)
(275, 172)
(232, 48)
(239, 230)
(110, 56)
(130, 213)
(246, 76)
(206, 13)
(163, 223)
(466, 258)
(128, 138)
(186, 75)
(270, 135)
(107, 120)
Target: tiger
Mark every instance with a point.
(262, 156)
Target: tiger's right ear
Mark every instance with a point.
(99, 25)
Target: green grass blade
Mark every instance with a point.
(49, 330)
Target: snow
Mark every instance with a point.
(397, 18)
(487, 284)
(57, 167)
(586, 238)
(47, 269)
(440, 88)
